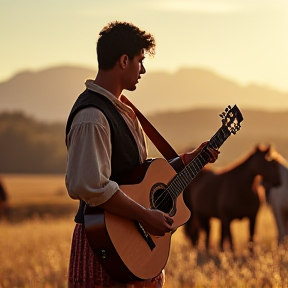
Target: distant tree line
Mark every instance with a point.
(30, 146)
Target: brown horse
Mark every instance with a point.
(228, 194)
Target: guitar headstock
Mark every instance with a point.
(231, 118)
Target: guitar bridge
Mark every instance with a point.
(146, 236)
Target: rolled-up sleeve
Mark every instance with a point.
(89, 158)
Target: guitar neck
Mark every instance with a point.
(190, 171)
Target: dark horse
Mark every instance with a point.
(228, 194)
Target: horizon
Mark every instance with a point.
(242, 40)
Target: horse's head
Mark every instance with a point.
(267, 166)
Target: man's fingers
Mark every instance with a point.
(168, 219)
(213, 154)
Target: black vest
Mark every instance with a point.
(125, 154)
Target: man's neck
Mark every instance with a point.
(109, 81)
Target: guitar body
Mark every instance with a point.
(122, 249)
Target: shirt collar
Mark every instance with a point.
(117, 102)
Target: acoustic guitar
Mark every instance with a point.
(126, 251)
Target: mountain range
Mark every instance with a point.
(49, 94)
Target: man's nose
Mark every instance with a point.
(142, 70)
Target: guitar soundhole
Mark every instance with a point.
(159, 199)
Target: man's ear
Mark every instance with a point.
(123, 61)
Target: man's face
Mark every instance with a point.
(134, 70)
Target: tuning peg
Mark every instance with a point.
(229, 106)
(226, 109)
(221, 115)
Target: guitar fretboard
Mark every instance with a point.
(190, 171)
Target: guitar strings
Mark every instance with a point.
(176, 184)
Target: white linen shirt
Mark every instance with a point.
(89, 150)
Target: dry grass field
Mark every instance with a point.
(35, 243)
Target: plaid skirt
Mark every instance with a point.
(85, 270)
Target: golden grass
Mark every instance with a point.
(35, 252)
(262, 264)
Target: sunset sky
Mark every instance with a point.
(244, 40)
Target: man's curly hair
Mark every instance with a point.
(118, 38)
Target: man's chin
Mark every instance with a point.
(131, 88)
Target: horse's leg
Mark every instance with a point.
(252, 221)
(195, 230)
(285, 225)
(192, 230)
(226, 234)
(206, 227)
(229, 236)
(281, 224)
(279, 217)
(285, 221)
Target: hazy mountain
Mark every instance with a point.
(49, 94)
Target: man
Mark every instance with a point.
(105, 143)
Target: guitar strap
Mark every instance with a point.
(161, 144)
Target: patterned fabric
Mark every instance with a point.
(87, 272)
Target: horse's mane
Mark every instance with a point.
(228, 167)
(243, 158)
(237, 162)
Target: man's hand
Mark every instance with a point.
(157, 222)
(212, 153)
